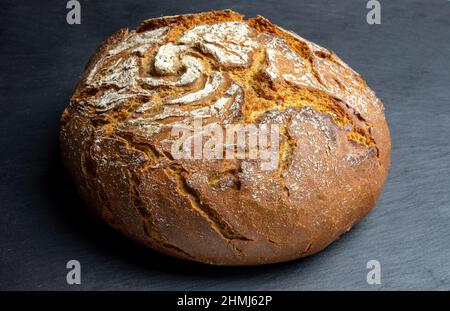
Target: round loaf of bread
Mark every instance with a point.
(329, 165)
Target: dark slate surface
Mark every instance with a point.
(43, 224)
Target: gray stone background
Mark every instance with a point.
(43, 223)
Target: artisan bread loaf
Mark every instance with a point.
(116, 137)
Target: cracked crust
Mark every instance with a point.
(334, 152)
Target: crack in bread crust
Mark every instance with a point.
(156, 158)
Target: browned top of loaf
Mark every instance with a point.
(332, 88)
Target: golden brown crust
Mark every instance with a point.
(334, 152)
(188, 20)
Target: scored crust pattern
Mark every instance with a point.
(115, 139)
